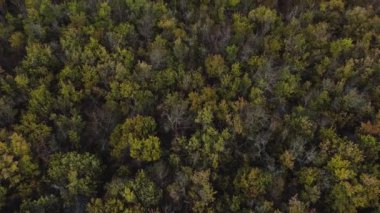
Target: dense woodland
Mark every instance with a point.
(111, 106)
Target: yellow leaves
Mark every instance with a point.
(146, 149)
(38, 55)
(146, 191)
(8, 166)
(206, 97)
(74, 172)
(110, 205)
(41, 101)
(263, 14)
(69, 92)
(16, 40)
(3, 148)
(15, 160)
(233, 3)
(90, 77)
(332, 144)
(241, 24)
(272, 46)
(300, 123)
(204, 116)
(127, 89)
(237, 124)
(332, 5)
(128, 195)
(215, 65)
(287, 159)
(288, 85)
(346, 70)
(167, 23)
(207, 145)
(19, 146)
(257, 61)
(344, 174)
(104, 10)
(252, 181)
(179, 34)
(357, 194)
(309, 176)
(341, 168)
(360, 193)
(256, 96)
(137, 135)
(143, 67)
(340, 46)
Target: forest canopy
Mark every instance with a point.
(111, 106)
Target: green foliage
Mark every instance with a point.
(253, 182)
(146, 150)
(145, 190)
(18, 171)
(201, 192)
(16, 40)
(189, 106)
(112, 205)
(137, 134)
(340, 46)
(287, 85)
(262, 15)
(215, 65)
(74, 174)
(42, 204)
(41, 101)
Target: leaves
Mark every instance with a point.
(137, 135)
(74, 174)
(189, 106)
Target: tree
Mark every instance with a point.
(201, 193)
(74, 175)
(310, 178)
(37, 63)
(36, 131)
(146, 150)
(18, 170)
(253, 182)
(264, 17)
(189, 106)
(215, 66)
(41, 101)
(137, 135)
(48, 203)
(146, 190)
(69, 129)
(288, 84)
(340, 46)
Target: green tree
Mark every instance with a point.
(252, 182)
(146, 190)
(215, 65)
(137, 135)
(19, 172)
(201, 192)
(74, 175)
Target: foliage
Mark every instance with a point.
(189, 106)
